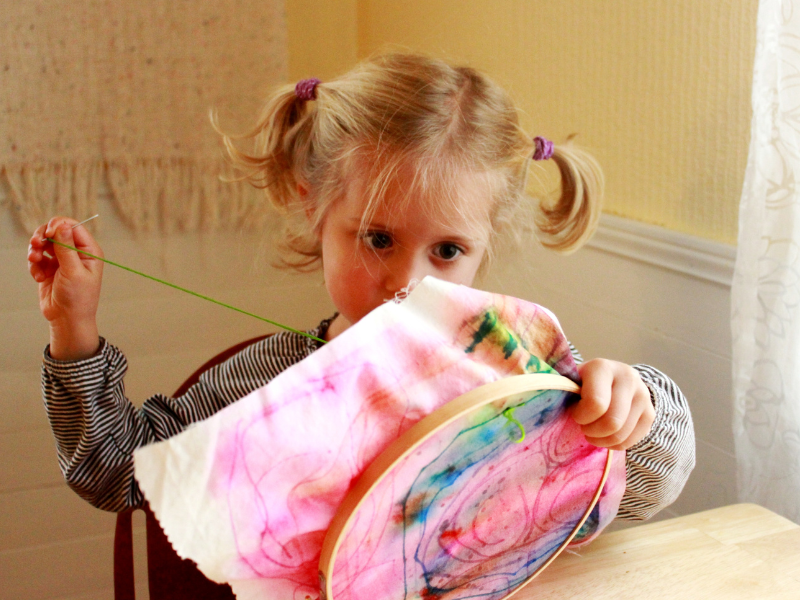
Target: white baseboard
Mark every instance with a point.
(698, 257)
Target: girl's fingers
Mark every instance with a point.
(36, 271)
(37, 244)
(37, 239)
(616, 421)
(54, 224)
(45, 257)
(639, 432)
(42, 270)
(615, 410)
(67, 259)
(618, 435)
(595, 393)
(86, 242)
(37, 261)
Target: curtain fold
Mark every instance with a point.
(766, 287)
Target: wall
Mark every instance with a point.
(659, 90)
(662, 99)
(323, 37)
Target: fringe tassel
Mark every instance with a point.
(41, 191)
(166, 195)
(182, 195)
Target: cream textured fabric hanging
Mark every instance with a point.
(96, 89)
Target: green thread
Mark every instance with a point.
(177, 287)
(509, 414)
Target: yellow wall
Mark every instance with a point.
(323, 37)
(659, 90)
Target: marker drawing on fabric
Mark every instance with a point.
(177, 287)
(399, 448)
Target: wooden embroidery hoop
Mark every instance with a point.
(422, 431)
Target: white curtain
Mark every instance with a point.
(766, 287)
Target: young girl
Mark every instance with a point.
(404, 167)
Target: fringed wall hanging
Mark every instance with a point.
(410, 457)
(116, 94)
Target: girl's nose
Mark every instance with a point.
(405, 269)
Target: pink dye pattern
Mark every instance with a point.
(264, 477)
(485, 532)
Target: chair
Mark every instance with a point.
(169, 576)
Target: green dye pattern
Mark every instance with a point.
(487, 326)
(493, 330)
(511, 345)
(537, 365)
(509, 414)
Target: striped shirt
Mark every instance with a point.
(97, 428)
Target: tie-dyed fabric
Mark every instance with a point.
(249, 493)
(477, 509)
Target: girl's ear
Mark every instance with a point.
(302, 191)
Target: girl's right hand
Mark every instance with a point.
(69, 287)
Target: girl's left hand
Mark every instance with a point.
(615, 410)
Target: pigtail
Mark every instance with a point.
(568, 223)
(281, 148)
(279, 164)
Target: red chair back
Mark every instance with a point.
(169, 576)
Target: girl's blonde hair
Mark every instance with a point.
(398, 112)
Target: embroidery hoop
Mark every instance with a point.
(423, 431)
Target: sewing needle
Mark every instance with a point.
(85, 221)
(73, 227)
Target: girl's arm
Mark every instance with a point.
(659, 461)
(97, 429)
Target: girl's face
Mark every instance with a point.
(404, 240)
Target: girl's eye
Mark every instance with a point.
(448, 251)
(378, 240)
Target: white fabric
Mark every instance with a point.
(249, 493)
(766, 288)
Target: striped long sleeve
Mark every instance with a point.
(658, 466)
(97, 429)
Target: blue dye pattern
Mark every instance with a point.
(590, 525)
(529, 567)
(469, 449)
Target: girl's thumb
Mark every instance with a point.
(67, 259)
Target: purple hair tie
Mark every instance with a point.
(544, 148)
(306, 89)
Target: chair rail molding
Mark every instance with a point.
(673, 250)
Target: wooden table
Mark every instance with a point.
(739, 551)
